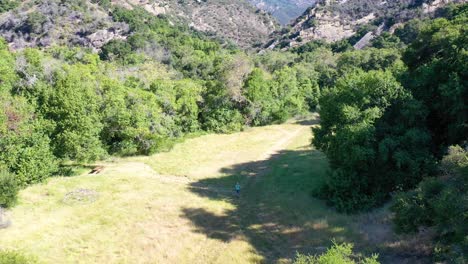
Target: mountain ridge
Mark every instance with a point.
(335, 20)
(90, 23)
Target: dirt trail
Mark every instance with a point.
(282, 144)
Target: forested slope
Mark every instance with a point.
(392, 114)
(92, 23)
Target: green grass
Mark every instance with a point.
(156, 216)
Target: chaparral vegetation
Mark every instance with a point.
(343, 155)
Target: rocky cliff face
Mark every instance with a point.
(286, 11)
(237, 20)
(87, 23)
(334, 20)
(54, 22)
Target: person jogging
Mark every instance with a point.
(237, 187)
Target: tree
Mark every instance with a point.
(73, 106)
(371, 152)
(24, 146)
(7, 69)
(438, 76)
(257, 91)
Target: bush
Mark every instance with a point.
(8, 189)
(24, 148)
(15, 257)
(370, 135)
(74, 108)
(337, 254)
(8, 5)
(440, 203)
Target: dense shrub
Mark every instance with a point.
(24, 148)
(8, 5)
(438, 76)
(441, 203)
(370, 134)
(8, 188)
(115, 49)
(73, 106)
(368, 59)
(337, 254)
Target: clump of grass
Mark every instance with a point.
(15, 257)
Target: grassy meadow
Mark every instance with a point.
(179, 207)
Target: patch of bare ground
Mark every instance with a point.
(377, 231)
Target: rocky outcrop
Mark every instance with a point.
(286, 11)
(334, 20)
(54, 22)
(237, 21)
(45, 23)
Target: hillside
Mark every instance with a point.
(128, 136)
(331, 20)
(91, 23)
(285, 11)
(237, 21)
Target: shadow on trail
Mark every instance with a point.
(275, 212)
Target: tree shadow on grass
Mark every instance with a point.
(75, 169)
(275, 212)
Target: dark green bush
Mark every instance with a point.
(370, 134)
(440, 203)
(8, 5)
(8, 188)
(438, 76)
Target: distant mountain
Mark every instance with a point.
(90, 23)
(285, 11)
(334, 20)
(235, 20)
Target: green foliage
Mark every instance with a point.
(371, 151)
(275, 60)
(341, 46)
(115, 49)
(24, 148)
(409, 32)
(261, 106)
(15, 257)
(8, 5)
(180, 98)
(7, 62)
(142, 122)
(8, 189)
(289, 92)
(440, 203)
(437, 75)
(337, 254)
(219, 113)
(73, 106)
(368, 59)
(34, 22)
(386, 41)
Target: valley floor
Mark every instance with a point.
(179, 207)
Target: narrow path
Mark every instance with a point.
(241, 202)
